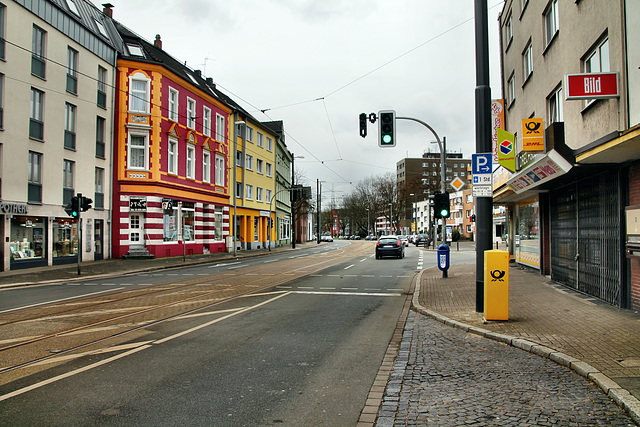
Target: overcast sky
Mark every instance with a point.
(317, 65)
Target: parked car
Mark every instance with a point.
(404, 240)
(423, 240)
(326, 238)
(389, 246)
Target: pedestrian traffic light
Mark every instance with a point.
(387, 128)
(363, 125)
(442, 207)
(86, 203)
(73, 207)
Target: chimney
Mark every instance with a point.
(197, 73)
(158, 43)
(210, 83)
(108, 9)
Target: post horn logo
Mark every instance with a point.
(532, 127)
(498, 275)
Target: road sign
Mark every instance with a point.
(457, 183)
(481, 163)
(483, 179)
(482, 191)
(592, 86)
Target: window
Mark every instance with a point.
(191, 113)
(220, 129)
(138, 152)
(169, 221)
(239, 158)
(135, 50)
(259, 166)
(554, 101)
(70, 127)
(191, 161)
(218, 224)
(249, 162)
(259, 192)
(508, 30)
(2, 24)
(100, 145)
(38, 53)
(172, 166)
(102, 87)
(173, 104)
(67, 181)
(188, 221)
(527, 62)
(206, 121)
(35, 178)
(238, 190)
(101, 28)
(98, 197)
(260, 140)
(72, 71)
(268, 195)
(511, 90)
(206, 166)
(36, 124)
(269, 168)
(139, 94)
(1, 101)
(249, 134)
(220, 171)
(269, 144)
(249, 192)
(598, 59)
(551, 21)
(73, 7)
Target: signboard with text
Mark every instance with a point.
(592, 86)
(532, 135)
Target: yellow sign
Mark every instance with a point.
(496, 285)
(457, 183)
(507, 149)
(532, 135)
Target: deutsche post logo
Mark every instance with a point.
(498, 275)
(533, 127)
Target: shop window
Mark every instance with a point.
(27, 238)
(170, 221)
(188, 219)
(218, 223)
(65, 238)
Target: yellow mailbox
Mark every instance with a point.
(496, 285)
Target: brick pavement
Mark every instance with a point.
(594, 339)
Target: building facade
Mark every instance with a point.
(57, 62)
(569, 205)
(172, 149)
(282, 197)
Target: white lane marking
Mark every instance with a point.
(224, 264)
(363, 260)
(328, 289)
(132, 351)
(349, 266)
(58, 300)
(363, 294)
(368, 275)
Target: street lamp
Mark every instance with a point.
(368, 230)
(390, 218)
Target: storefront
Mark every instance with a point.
(527, 232)
(27, 241)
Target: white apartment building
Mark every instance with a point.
(56, 91)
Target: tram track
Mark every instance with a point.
(36, 335)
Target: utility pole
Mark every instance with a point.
(483, 205)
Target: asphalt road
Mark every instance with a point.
(305, 352)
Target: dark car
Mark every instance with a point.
(389, 246)
(423, 240)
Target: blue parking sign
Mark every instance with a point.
(481, 163)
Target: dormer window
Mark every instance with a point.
(135, 50)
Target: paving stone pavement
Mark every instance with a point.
(562, 358)
(447, 377)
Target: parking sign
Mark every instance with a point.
(481, 163)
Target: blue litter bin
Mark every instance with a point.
(443, 258)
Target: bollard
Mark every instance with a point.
(496, 285)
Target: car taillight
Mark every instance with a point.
(398, 243)
(378, 243)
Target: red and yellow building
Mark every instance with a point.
(171, 180)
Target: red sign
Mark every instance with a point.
(592, 86)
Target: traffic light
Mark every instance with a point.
(86, 203)
(442, 207)
(473, 218)
(73, 207)
(363, 125)
(387, 128)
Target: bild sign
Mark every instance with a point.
(592, 86)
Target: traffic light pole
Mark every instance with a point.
(79, 196)
(442, 144)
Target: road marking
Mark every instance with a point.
(349, 289)
(363, 294)
(327, 289)
(58, 300)
(349, 266)
(363, 260)
(225, 264)
(368, 275)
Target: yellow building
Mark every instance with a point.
(255, 184)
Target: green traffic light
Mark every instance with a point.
(386, 139)
(444, 213)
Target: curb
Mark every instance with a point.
(613, 390)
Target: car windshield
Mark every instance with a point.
(386, 240)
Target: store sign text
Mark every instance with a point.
(13, 208)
